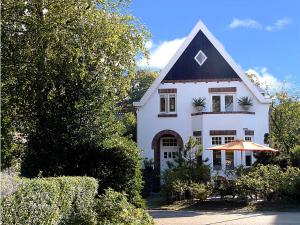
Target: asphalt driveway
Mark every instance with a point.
(188, 217)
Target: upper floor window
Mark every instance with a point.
(167, 103)
(228, 103)
(228, 139)
(248, 138)
(216, 140)
(216, 103)
(222, 103)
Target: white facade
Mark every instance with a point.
(149, 123)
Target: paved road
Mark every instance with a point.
(168, 217)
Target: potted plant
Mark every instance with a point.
(245, 102)
(199, 103)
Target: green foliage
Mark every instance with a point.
(224, 187)
(199, 102)
(116, 165)
(64, 200)
(245, 100)
(141, 82)
(114, 208)
(149, 177)
(65, 69)
(269, 182)
(295, 156)
(199, 191)
(188, 169)
(285, 122)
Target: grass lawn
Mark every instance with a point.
(157, 201)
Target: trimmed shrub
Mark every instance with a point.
(63, 200)
(114, 208)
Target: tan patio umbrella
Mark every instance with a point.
(242, 145)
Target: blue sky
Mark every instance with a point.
(261, 36)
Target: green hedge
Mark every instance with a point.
(62, 200)
(65, 200)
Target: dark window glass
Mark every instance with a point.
(216, 103)
(228, 103)
(162, 104)
(165, 155)
(173, 154)
(172, 106)
(217, 160)
(248, 160)
(229, 160)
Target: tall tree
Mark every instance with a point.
(65, 68)
(285, 122)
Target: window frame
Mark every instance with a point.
(167, 97)
(218, 137)
(231, 166)
(219, 165)
(251, 158)
(249, 136)
(222, 101)
(228, 137)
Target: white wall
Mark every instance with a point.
(149, 124)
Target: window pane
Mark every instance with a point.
(165, 155)
(228, 139)
(229, 160)
(169, 142)
(248, 138)
(216, 103)
(248, 159)
(216, 140)
(172, 106)
(228, 103)
(162, 104)
(217, 160)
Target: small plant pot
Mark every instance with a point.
(199, 108)
(246, 107)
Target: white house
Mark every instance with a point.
(166, 117)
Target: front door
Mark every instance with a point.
(168, 152)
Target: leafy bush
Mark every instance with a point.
(269, 182)
(199, 191)
(149, 177)
(188, 169)
(65, 200)
(224, 187)
(115, 165)
(114, 208)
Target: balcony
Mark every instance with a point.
(232, 112)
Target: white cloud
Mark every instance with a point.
(160, 54)
(267, 80)
(279, 24)
(254, 24)
(249, 23)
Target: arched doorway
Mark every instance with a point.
(165, 143)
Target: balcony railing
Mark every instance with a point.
(232, 112)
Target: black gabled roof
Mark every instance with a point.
(215, 66)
